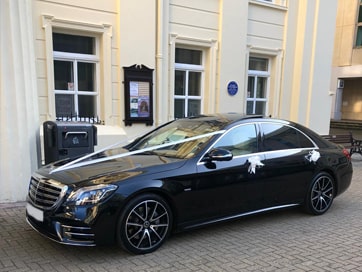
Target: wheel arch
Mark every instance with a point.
(156, 191)
(334, 178)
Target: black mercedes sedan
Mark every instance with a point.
(187, 173)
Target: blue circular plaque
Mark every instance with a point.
(232, 88)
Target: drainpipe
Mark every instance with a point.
(162, 88)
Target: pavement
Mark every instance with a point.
(287, 240)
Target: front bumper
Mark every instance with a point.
(84, 226)
(64, 232)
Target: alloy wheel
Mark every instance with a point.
(322, 194)
(147, 225)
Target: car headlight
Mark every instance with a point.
(91, 194)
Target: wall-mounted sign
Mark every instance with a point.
(138, 95)
(232, 88)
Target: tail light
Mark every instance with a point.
(346, 153)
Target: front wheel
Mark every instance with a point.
(320, 195)
(144, 224)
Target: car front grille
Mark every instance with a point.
(45, 193)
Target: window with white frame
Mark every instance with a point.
(359, 26)
(189, 73)
(76, 65)
(258, 77)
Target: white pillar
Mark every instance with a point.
(19, 118)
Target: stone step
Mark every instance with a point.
(346, 124)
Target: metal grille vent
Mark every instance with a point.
(45, 193)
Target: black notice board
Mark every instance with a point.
(138, 95)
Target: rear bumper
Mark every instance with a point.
(345, 179)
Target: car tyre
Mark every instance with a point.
(320, 194)
(144, 224)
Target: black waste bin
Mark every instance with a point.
(68, 140)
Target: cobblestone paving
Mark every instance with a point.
(279, 241)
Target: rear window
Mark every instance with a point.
(279, 137)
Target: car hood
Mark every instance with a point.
(112, 170)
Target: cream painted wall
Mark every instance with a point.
(347, 62)
(19, 139)
(194, 19)
(232, 55)
(137, 45)
(306, 90)
(345, 31)
(266, 31)
(137, 20)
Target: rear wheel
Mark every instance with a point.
(144, 224)
(320, 195)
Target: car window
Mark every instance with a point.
(176, 131)
(279, 137)
(240, 140)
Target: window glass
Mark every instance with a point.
(63, 75)
(251, 84)
(188, 56)
(258, 64)
(359, 36)
(180, 79)
(175, 131)
(259, 107)
(179, 108)
(86, 106)
(194, 107)
(86, 79)
(194, 83)
(359, 27)
(64, 105)
(261, 87)
(279, 137)
(250, 107)
(73, 44)
(240, 140)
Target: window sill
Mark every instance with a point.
(269, 4)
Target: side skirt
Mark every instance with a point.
(227, 218)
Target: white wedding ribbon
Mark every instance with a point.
(254, 162)
(77, 163)
(313, 156)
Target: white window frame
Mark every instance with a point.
(277, 3)
(85, 58)
(358, 26)
(210, 48)
(191, 68)
(259, 74)
(104, 34)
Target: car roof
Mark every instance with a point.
(227, 119)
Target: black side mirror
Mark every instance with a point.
(219, 154)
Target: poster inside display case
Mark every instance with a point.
(138, 95)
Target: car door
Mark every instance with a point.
(226, 188)
(287, 169)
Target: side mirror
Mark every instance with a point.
(219, 154)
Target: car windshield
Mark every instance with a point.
(179, 130)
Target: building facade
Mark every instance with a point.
(129, 66)
(347, 62)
